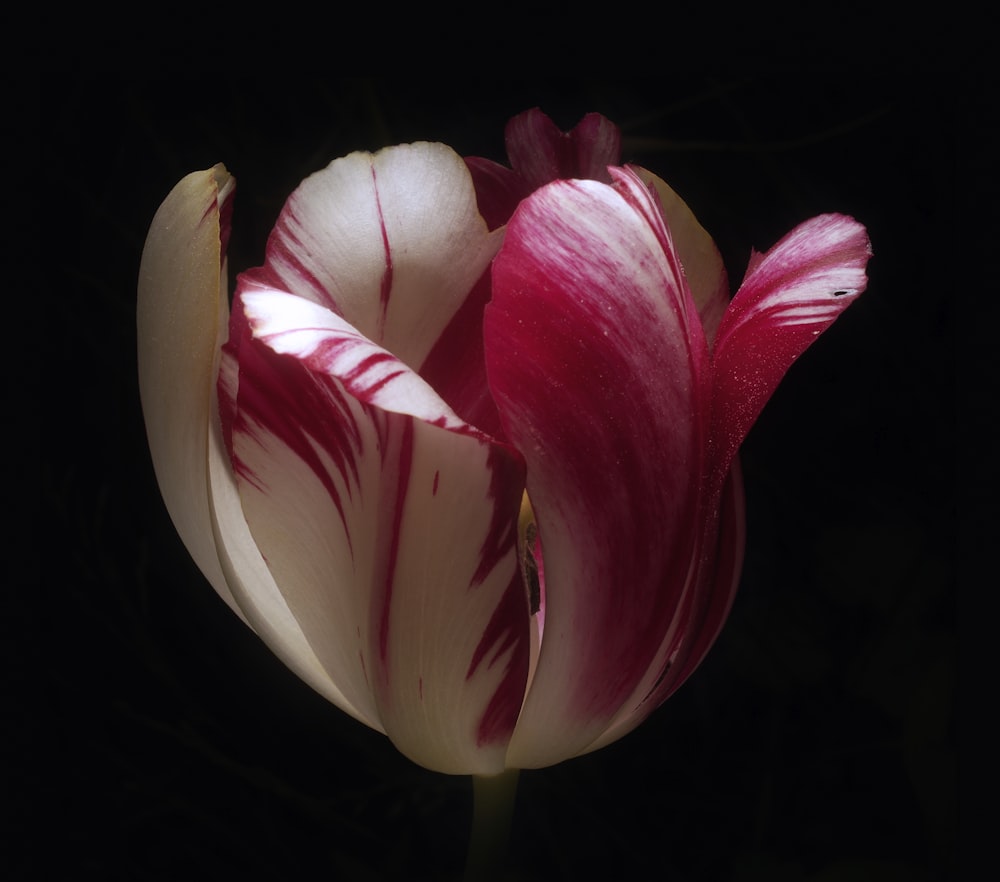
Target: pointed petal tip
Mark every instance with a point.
(179, 328)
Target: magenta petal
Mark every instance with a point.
(499, 190)
(595, 362)
(598, 145)
(790, 296)
(705, 605)
(456, 368)
(541, 153)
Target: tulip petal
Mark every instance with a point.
(182, 316)
(393, 242)
(456, 366)
(179, 332)
(539, 152)
(703, 267)
(390, 527)
(790, 295)
(499, 189)
(705, 604)
(261, 603)
(596, 360)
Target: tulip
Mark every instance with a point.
(463, 451)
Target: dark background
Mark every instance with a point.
(154, 738)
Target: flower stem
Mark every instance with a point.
(492, 809)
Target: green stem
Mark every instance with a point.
(492, 809)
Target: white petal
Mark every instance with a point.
(393, 242)
(388, 526)
(181, 293)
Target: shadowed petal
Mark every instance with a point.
(498, 189)
(539, 152)
(705, 604)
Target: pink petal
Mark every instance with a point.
(388, 525)
(456, 366)
(539, 152)
(705, 605)
(596, 360)
(790, 296)
(498, 189)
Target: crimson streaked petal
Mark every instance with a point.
(456, 367)
(392, 241)
(790, 296)
(596, 360)
(389, 527)
(260, 601)
(719, 565)
(707, 599)
(290, 325)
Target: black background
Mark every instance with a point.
(156, 739)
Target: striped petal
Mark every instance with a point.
(389, 526)
(393, 242)
(790, 295)
(597, 361)
(182, 315)
(702, 611)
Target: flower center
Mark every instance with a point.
(527, 541)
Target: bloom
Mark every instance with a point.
(348, 453)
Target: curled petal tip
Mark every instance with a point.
(791, 294)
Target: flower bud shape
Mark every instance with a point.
(463, 450)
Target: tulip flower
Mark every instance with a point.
(463, 451)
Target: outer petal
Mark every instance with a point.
(392, 242)
(182, 316)
(179, 330)
(595, 357)
(705, 605)
(789, 297)
(389, 526)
